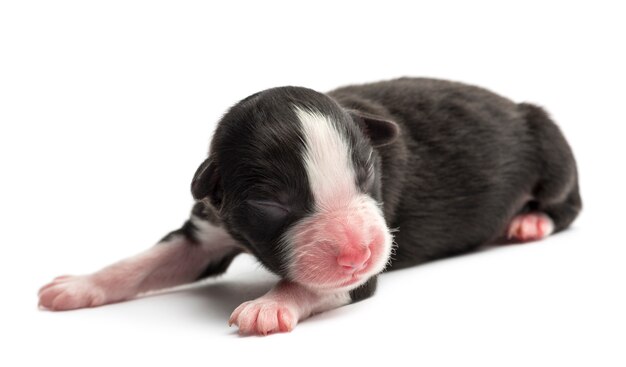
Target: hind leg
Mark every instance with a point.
(556, 198)
(544, 219)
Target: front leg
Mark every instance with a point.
(198, 249)
(288, 303)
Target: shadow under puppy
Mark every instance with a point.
(313, 185)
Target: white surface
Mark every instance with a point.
(106, 110)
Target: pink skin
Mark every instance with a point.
(331, 252)
(334, 251)
(165, 265)
(281, 308)
(340, 247)
(69, 292)
(530, 227)
(178, 262)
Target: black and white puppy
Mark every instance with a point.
(328, 190)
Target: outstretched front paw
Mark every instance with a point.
(71, 292)
(263, 316)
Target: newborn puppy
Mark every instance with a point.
(328, 190)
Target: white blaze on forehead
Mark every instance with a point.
(327, 160)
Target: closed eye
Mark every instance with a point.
(271, 209)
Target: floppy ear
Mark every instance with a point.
(206, 183)
(380, 130)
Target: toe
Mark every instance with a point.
(45, 287)
(545, 226)
(235, 315)
(65, 301)
(529, 228)
(514, 228)
(57, 280)
(267, 321)
(285, 320)
(46, 297)
(247, 319)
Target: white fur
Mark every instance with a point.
(329, 301)
(215, 240)
(327, 160)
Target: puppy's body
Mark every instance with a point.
(313, 185)
(466, 163)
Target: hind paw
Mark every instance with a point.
(530, 227)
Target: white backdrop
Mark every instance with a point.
(106, 110)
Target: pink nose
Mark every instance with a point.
(353, 258)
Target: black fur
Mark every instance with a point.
(219, 266)
(256, 150)
(466, 162)
(365, 290)
(255, 159)
(457, 163)
(188, 230)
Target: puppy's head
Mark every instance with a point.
(296, 179)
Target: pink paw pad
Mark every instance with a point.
(71, 292)
(530, 227)
(262, 317)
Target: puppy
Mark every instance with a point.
(328, 190)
